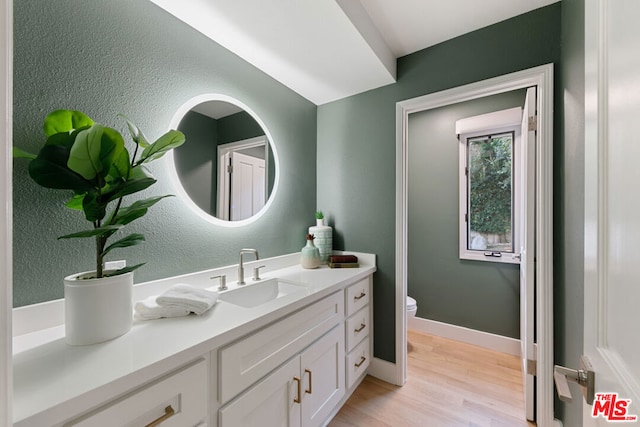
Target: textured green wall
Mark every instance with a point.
(131, 57)
(480, 295)
(356, 140)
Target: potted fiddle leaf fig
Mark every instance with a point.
(92, 163)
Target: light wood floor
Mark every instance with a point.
(448, 384)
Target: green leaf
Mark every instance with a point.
(132, 186)
(94, 209)
(130, 240)
(75, 202)
(21, 154)
(136, 134)
(63, 139)
(125, 270)
(136, 210)
(84, 157)
(120, 167)
(139, 179)
(100, 231)
(112, 150)
(165, 143)
(65, 121)
(49, 169)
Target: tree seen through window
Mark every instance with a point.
(490, 182)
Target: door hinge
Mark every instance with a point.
(533, 123)
(466, 171)
(229, 168)
(532, 367)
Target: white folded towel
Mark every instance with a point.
(193, 299)
(148, 309)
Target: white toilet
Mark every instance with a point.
(412, 307)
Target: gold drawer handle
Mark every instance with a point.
(297, 399)
(362, 360)
(362, 295)
(310, 381)
(168, 413)
(362, 326)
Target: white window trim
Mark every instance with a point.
(492, 123)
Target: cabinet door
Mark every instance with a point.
(323, 377)
(271, 402)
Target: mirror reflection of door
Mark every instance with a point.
(215, 129)
(242, 181)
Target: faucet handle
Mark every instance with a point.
(256, 272)
(223, 282)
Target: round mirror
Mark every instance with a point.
(228, 167)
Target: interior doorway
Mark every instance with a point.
(542, 79)
(242, 178)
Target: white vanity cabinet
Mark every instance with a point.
(177, 400)
(358, 330)
(303, 392)
(306, 389)
(293, 360)
(322, 351)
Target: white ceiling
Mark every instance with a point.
(330, 49)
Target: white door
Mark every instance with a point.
(612, 206)
(247, 186)
(527, 238)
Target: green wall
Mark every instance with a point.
(131, 57)
(569, 204)
(196, 162)
(357, 141)
(475, 294)
(237, 127)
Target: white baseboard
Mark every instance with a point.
(466, 335)
(385, 371)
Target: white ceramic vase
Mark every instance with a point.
(323, 239)
(97, 310)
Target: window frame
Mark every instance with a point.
(499, 122)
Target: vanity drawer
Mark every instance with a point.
(357, 328)
(358, 295)
(179, 399)
(357, 362)
(249, 359)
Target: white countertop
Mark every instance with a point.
(53, 380)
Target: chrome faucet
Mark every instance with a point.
(241, 267)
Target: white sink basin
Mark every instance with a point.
(255, 294)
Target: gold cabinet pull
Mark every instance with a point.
(362, 295)
(297, 399)
(362, 326)
(168, 413)
(310, 381)
(362, 359)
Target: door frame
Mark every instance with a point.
(6, 224)
(542, 77)
(223, 155)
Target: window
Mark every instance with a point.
(489, 188)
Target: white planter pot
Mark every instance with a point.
(97, 310)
